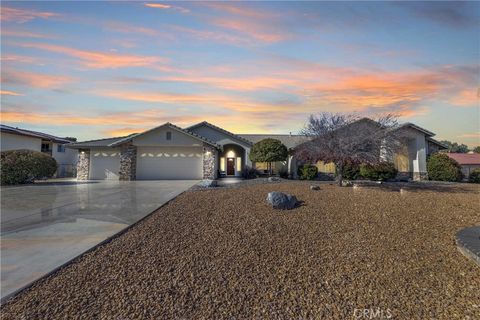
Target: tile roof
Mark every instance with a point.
(30, 133)
(95, 143)
(208, 124)
(465, 158)
(290, 141)
(113, 142)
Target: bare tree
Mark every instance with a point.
(342, 138)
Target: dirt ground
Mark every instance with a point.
(225, 254)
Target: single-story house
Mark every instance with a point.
(468, 162)
(206, 151)
(12, 138)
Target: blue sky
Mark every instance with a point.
(97, 69)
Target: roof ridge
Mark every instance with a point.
(94, 140)
(220, 129)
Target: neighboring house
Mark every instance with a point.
(468, 162)
(205, 151)
(411, 160)
(12, 138)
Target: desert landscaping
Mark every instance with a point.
(223, 252)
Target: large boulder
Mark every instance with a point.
(279, 200)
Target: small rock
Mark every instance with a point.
(279, 200)
(208, 183)
(356, 186)
(273, 179)
(347, 183)
(314, 188)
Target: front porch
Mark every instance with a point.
(231, 160)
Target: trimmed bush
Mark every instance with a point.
(283, 173)
(378, 172)
(249, 173)
(474, 176)
(441, 167)
(307, 172)
(351, 171)
(24, 166)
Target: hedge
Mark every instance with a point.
(474, 176)
(350, 171)
(441, 167)
(24, 166)
(378, 172)
(307, 172)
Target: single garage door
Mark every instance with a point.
(104, 164)
(169, 163)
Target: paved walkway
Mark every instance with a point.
(47, 224)
(468, 241)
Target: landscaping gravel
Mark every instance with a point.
(225, 253)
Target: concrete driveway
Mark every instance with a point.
(45, 225)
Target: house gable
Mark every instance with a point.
(218, 135)
(166, 136)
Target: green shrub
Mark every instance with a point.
(307, 172)
(23, 166)
(441, 167)
(474, 176)
(283, 173)
(351, 171)
(249, 173)
(378, 172)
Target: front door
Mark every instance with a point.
(230, 166)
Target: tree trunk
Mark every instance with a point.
(339, 168)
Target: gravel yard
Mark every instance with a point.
(224, 253)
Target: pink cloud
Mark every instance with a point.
(35, 80)
(10, 93)
(166, 7)
(24, 15)
(98, 60)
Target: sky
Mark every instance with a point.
(102, 69)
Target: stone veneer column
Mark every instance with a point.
(128, 162)
(209, 162)
(83, 164)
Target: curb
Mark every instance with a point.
(17, 292)
(468, 243)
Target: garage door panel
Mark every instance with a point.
(104, 164)
(156, 163)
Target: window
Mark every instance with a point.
(61, 148)
(46, 147)
(239, 163)
(169, 135)
(222, 164)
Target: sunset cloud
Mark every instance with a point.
(10, 93)
(95, 59)
(166, 6)
(24, 15)
(35, 80)
(466, 98)
(24, 34)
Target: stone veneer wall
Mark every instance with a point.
(128, 162)
(209, 162)
(83, 164)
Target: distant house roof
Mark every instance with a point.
(290, 141)
(438, 143)
(414, 126)
(34, 134)
(208, 124)
(465, 158)
(114, 142)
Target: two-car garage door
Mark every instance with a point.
(153, 163)
(156, 163)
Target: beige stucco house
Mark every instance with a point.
(206, 151)
(12, 138)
